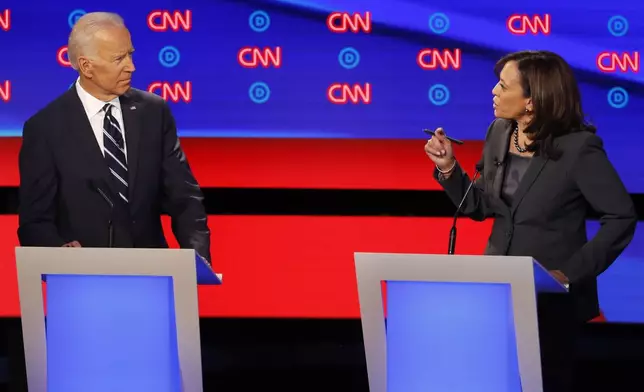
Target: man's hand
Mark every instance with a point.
(561, 278)
(73, 244)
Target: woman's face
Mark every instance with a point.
(509, 102)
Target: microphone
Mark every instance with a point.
(452, 232)
(110, 226)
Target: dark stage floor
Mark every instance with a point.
(327, 355)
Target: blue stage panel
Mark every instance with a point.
(456, 337)
(111, 333)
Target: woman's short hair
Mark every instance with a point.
(549, 81)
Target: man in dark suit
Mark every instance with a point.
(104, 155)
(101, 163)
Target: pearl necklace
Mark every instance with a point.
(516, 141)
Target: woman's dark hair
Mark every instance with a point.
(549, 81)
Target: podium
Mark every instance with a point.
(116, 319)
(453, 323)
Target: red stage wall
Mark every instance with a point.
(290, 266)
(297, 163)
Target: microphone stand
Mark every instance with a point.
(110, 225)
(452, 233)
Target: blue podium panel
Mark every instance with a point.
(111, 333)
(456, 337)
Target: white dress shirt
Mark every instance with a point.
(94, 110)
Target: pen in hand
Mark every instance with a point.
(451, 139)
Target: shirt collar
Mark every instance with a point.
(92, 104)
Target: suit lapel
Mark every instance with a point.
(499, 153)
(534, 169)
(130, 108)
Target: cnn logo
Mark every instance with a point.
(343, 93)
(611, 62)
(344, 22)
(5, 91)
(5, 20)
(162, 21)
(253, 57)
(521, 24)
(173, 92)
(431, 59)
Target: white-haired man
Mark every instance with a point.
(101, 163)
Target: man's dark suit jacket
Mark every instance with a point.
(547, 219)
(61, 167)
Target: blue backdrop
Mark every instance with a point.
(293, 98)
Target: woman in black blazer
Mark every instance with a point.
(543, 171)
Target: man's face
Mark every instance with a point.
(110, 69)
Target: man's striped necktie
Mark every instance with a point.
(114, 146)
